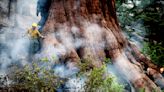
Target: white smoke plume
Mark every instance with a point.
(14, 47)
(14, 43)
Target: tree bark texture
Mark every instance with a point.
(94, 23)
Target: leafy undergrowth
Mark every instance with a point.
(37, 78)
(155, 51)
(98, 80)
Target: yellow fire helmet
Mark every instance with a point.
(34, 25)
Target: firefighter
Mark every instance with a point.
(34, 35)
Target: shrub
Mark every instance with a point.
(155, 51)
(98, 80)
(35, 79)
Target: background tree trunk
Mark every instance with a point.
(94, 23)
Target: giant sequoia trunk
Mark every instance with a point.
(93, 26)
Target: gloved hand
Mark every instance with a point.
(43, 37)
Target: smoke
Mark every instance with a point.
(65, 72)
(120, 78)
(94, 37)
(66, 39)
(14, 44)
(137, 36)
(60, 43)
(14, 48)
(76, 84)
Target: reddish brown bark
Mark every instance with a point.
(157, 77)
(101, 14)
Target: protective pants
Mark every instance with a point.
(34, 46)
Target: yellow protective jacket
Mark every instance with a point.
(34, 33)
